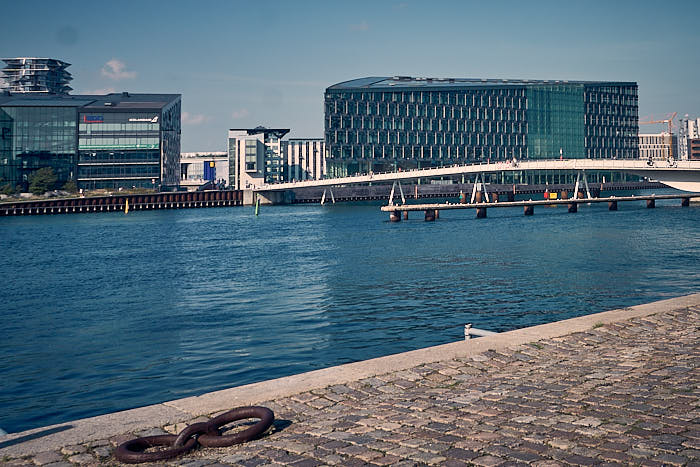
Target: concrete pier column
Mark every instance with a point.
(480, 213)
(429, 215)
(685, 202)
(573, 207)
(494, 197)
(395, 216)
(651, 203)
(612, 205)
(405, 215)
(437, 214)
(479, 197)
(528, 210)
(564, 194)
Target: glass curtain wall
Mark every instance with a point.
(119, 149)
(555, 121)
(381, 130)
(34, 137)
(612, 122)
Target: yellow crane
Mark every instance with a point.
(670, 131)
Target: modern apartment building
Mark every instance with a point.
(305, 159)
(256, 156)
(658, 146)
(36, 75)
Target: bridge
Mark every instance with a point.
(683, 175)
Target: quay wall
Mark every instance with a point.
(136, 202)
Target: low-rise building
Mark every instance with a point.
(658, 146)
(305, 158)
(199, 168)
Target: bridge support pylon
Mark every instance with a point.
(429, 215)
(612, 205)
(651, 203)
(395, 216)
(480, 213)
(528, 210)
(573, 207)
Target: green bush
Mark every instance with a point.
(71, 186)
(42, 180)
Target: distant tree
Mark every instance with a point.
(42, 180)
(71, 186)
(7, 189)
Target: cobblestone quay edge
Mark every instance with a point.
(98, 429)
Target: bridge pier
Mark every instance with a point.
(494, 196)
(437, 214)
(612, 205)
(405, 215)
(651, 203)
(429, 215)
(685, 202)
(480, 213)
(573, 207)
(395, 216)
(528, 210)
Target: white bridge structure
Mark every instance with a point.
(682, 175)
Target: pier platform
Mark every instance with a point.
(612, 388)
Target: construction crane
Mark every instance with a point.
(670, 131)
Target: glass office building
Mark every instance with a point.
(111, 141)
(383, 124)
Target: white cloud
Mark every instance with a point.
(193, 119)
(101, 91)
(116, 70)
(361, 26)
(238, 114)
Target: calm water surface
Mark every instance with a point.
(106, 312)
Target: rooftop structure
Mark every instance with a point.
(36, 75)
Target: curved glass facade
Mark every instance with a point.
(383, 124)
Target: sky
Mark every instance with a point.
(241, 64)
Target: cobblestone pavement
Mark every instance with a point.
(619, 394)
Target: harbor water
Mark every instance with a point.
(105, 312)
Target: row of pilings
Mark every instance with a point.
(432, 213)
(117, 202)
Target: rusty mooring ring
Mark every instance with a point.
(214, 439)
(131, 452)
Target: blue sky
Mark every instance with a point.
(241, 64)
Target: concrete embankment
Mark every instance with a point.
(616, 387)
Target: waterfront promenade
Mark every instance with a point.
(619, 387)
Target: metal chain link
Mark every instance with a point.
(205, 434)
